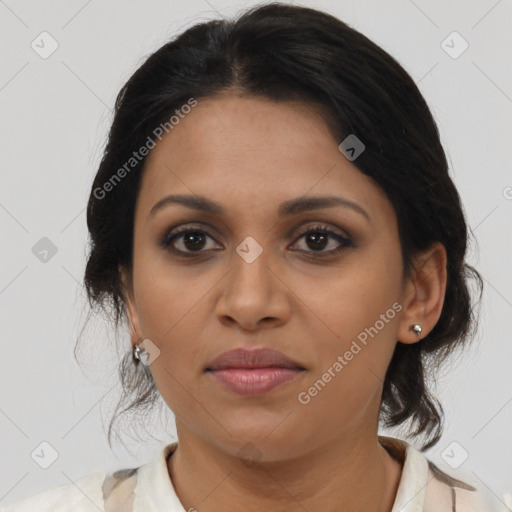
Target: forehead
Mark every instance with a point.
(254, 153)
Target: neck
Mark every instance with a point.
(357, 473)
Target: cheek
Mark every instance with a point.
(173, 305)
(356, 316)
(347, 382)
(167, 296)
(350, 301)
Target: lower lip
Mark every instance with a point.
(254, 381)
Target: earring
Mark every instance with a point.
(416, 329)
(138, 353)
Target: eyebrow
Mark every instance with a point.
(286, 209)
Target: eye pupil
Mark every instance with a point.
(318, 237)
(196, 237)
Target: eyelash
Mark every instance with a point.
(170, 237)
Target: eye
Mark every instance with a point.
(192, 240)
(189, 241)
(318, 237)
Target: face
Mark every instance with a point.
(321, 285)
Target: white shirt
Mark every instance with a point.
(148, 488)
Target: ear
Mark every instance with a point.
(423, 295)
(131, 309)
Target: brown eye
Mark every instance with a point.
(193, 240)
(187, 241)
(317, 240)
(319, 237)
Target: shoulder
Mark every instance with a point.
(426, 487)
(463, 491)
(83, 495)
(109, 491)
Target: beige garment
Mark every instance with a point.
(148, 488)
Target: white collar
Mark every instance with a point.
(155, 492)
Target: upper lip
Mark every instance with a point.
(254, 358)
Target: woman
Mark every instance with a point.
(274, 218)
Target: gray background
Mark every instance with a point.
(55, 113)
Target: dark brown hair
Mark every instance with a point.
(283, 52)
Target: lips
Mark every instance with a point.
(253, 372)
(256, 358)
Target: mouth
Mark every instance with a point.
(254, 381)
(253, 372)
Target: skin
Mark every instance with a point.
(251, 154)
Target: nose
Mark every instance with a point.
(253, 295)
